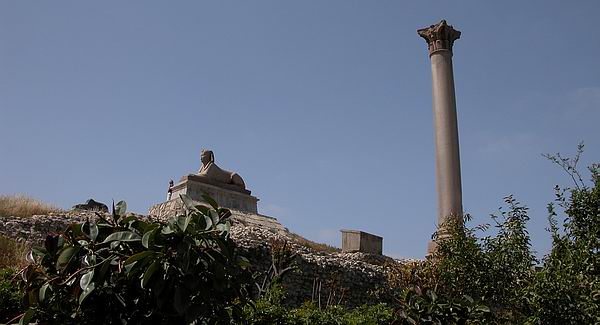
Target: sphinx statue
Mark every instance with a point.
(211, 171)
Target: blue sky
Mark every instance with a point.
(323, 107)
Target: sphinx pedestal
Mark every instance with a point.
(242, 205)
(227, 196)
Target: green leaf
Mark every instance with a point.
(125, 221)
(86, 279)
(208, 221)
(86, 292)
(42, 293)
(183, 222)
(243, 262)
(137, 257)
(214, 216)
(103, 269)
(223, 227)
(210, 201)
(121, 208)
(167, 230)
(93, 231)
(188, 202)
(123, 236)
(148, 237)
(180, 300)
(65, 256)
(149, 272)
(26, 318)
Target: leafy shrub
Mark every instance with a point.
(468, 271)
(499, 271)
(429, 308)
(23, 206)
(371, 315)
(10, 295)
(130, 271)
(267, 313)
(567, 288)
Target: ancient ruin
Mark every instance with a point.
(225, 187)
(440, 39)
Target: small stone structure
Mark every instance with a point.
(360, 241)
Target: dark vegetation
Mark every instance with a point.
(124, 270)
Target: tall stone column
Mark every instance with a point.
(440, 38)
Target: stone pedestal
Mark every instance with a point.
(230, 197)
(360, 241)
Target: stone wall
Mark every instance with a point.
(34, 229)
(332, 277)
(348, 278)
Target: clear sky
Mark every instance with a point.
(323, 107)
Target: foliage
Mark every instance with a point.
(23, 206)
(129, 271)
(567, 288)
(499, 270)
(491, 271)
(13, 253)
(10, 295)
(267, 313)
(430, 308)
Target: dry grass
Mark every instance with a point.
(315, 246)
(23, 206)
(13, 253)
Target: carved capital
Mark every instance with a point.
(439, 37)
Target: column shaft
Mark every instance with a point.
(448, 179)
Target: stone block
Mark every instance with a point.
(230, 197)
(360, 241)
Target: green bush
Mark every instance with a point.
(130, 271)
(10, 296)
(429, 308)
(266, 313)
(499, 271)
(567, 289)
(492, 271)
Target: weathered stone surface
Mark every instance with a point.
(211, 171)
(34, 229)
(440, 39)
(360, 241)
(227, 199)
(346, 278)
(226, 188)
(349, 278)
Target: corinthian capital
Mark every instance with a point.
(439, 37)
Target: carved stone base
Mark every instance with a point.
(175, 207)
(230, 197)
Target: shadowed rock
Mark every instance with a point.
(92, 205)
